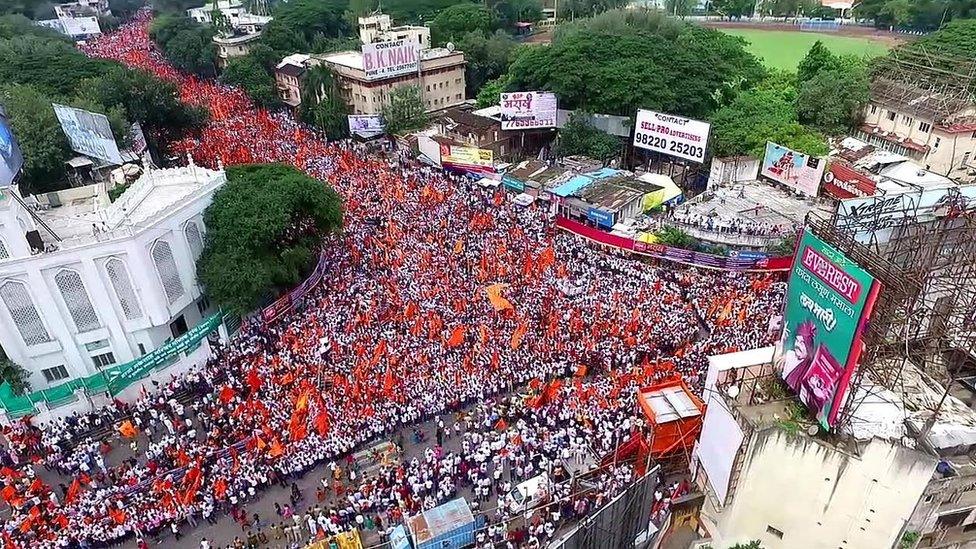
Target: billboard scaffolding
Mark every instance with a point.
(924, 256)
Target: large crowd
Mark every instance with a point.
(404, 330)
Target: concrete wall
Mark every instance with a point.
(794, 491)
(947, 151)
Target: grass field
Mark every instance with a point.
(784, 49)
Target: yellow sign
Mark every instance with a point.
(466, 156)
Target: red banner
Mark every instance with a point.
(743, 261)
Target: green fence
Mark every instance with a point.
(113, 379)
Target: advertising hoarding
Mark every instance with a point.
(875, 217)
(468, 159)
(528, 110)
(600, 217)
(793, 169)
(828, 301)
(88, 133)
(11, 159)
(672, 135)
(389, 59)
(842, 181)
(366, 125)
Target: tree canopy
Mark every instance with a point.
(832, 90)
(248, 74)
(188, 45)
(487, 57)
(264, 228)
(322, 105)
(460, 19)
(298, 25)
(915, 14)
(39, 134)
(618, 62)
(405, 110)
(580, 137)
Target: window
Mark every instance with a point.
(4, 254)
(874, 109)
(891, 115)
(193, 239)
(103, 360)
(178, 327)
(76, 299)
(938, 140)
(924, 127)
(96, 345)
(142, 348)
(907, 119)
(18, 301)
(965, 158)
(54, 374)
(119, 277)
(162, 256)
(774, 531)
(203, 304)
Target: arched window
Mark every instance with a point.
(169, 276)
(18, 301)
(118, 275)
(193, 239)
(76, 298)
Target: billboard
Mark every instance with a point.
(793, 169)
(528, 110)
(88, 133)
(389, 59)
(672, 135)
(366, 125)
(875, 217)
(11, 159)
(458, 155)
(828, 302)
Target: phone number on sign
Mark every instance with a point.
(666, 145)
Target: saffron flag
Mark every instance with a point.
(253, 380)
(495, 297)
(457, 336)
(518, 334)
(128, 430)
(226, 394)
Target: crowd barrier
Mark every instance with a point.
(287, 303)
(112, 379)
(742, 261)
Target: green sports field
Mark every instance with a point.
(784, 49)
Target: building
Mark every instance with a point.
(900, 474)
(289, 75)
(229, 47)
(463, 126)
(378, 28)
(938, 132)
(85, 284)
(237, 15)
(75, 27)
(441, 80)
(82, 8)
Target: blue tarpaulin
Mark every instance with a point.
(582, 181)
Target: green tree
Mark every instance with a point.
(38, 131)
(734, 9)
(819, 58)
(125, 9)
(219, 21)
(248, 74)
(679, 8)
(15, 375)
(767, 113)
(298, 23)
(176, 6)
(487, 58)
(897, 12)
(51, 65)
(509, 12)
(263, 230)
(322, 104)
(188, 45)
(673, 236)
(783, 247)
(458, 20)
(833, 100)
(579, 137)
(619, 62)
(415, 11)
(490, 93)
(405, 111)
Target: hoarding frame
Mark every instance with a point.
(828, 301)
(672, 135)
(366, 125)
(403, 57)
(808, 178)
(541, 112)
(11, 157)
(89, 133)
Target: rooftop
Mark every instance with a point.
(238, 39)
(919, 102)
(75, 214)
(613, 193)
(354, 59)
(464, 121)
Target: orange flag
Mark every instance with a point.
(495, 297)
(128, 430)
(378, 353)
(501, 425)
(276, 449)
(457, 336)
(518, 334)
(580, 371)
(322, 423)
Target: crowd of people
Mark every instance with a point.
(452, 299)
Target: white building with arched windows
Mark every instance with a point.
(85, 283)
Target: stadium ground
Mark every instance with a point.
(783, 49)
